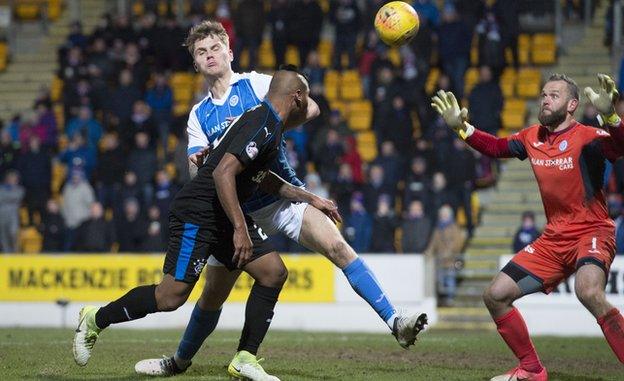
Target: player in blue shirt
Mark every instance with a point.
(229, 95)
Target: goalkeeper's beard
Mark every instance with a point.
(554, 119)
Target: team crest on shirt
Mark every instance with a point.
(563, 145)
(233, 100)
(251, 150)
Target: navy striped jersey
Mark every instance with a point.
(209, 119)
(254, 138)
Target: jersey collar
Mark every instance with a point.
(235, 77)
(272, 109)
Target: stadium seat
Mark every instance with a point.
(27, 10)
(544, 49)
(24, 218)
(4, 55)
(325, 50)
(528, 83)
(394, 56)
(359, 121)
(266, 59)
(432, 80)
(55, 8)
(331, 92)
(59, 114)
(351, 91)
(470, 79)
(59, 172)
(181, 109)
(56, 89)
(342, 107)
(138, 8)
(332, 78)
(292, 55)
(367, 145)
(351, 76)
(514, 114)
(30, 240)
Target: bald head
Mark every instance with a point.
(288, 93)
(286, 82)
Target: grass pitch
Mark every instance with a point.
(45, 354)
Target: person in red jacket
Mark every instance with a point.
(568, 160)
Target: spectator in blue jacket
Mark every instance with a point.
(79, 155)
(527, 233)
(359, 225)
(86, 124)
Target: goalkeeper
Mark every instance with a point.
(568, 160)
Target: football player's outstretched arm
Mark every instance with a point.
(604, 100)
(445, 104)
(275, 185)
(225, 181)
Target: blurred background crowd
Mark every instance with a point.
(94, 165)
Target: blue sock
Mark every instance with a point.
(366, 285)
(201, 324)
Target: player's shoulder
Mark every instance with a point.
(254, 76)
(591, 132)
(532, 130)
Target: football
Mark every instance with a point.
(396, 23)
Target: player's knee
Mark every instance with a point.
(589, 295)
(494, 297)
(280, 276)
(339, 252)
(170, 302)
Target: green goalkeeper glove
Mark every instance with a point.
(605, 99)
(446, 105)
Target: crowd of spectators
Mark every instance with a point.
(122, 170)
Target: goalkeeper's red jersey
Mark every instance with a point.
(569, 166)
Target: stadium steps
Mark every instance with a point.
(517, 190)
(464, 318)
(34, 58)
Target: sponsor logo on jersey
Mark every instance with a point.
(602, 133)
(233, 100)
(529, 249)
(537, 144)
(251, 150)
(563, 145)
(563, 163)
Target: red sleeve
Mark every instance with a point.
(493, 146)
(613, 146)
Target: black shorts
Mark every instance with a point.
(190, 246)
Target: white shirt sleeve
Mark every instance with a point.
(260, 83)
(196, 137)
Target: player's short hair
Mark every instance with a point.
(290, 67)
(573, 89)
(205, 29)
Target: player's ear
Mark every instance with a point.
(572, 105)
(231, 55)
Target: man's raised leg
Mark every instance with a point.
(318, 233)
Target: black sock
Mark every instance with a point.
(258, 315)
(137, 303)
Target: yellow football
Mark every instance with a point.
(396, 23)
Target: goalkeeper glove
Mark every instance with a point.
(446, 105)
(605, 99)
